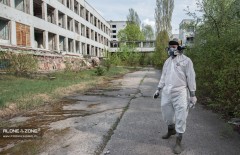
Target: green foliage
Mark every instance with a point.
(107, 63)
(148, 32)
(160, 54)
(99, 71)
(20, 64)
(163, 15)
(131, 32)
(133, 17)
(128, 56)
(216, 56)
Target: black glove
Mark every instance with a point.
(156, 94)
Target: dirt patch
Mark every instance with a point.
(93, 105)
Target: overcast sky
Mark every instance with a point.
(118, 10)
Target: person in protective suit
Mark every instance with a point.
(178, 87)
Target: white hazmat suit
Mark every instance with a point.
(178, 78)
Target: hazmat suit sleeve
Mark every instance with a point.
(190, 75)
(161, 83)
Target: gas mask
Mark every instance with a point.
(173, 52)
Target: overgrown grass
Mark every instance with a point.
(15, 88)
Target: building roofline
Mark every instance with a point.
(95, 10)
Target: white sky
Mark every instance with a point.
(118, 10)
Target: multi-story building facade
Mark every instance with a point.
(64, 26)
(116, 26)
(186, 32)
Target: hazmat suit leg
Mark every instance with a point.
(167, 109)
(180, 104)
(174, 109)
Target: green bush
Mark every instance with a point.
(216, 58)
(107, 63)
(99, 71)
(21, 64)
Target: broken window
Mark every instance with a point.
(50, 14)
(6, 2)
(96, 36)
(86, 16)
(83, 48)
(23, 5)
(70, 45)
(92, 50)
(38, 38)
(52, 41)
(62, 43)
(81, 11)
(69, 3)
(91, 18)
(69, 23)
(96, 51)
(61, 19)
(37, 8)
(102, 39)
(23, 34)
(99, 38)
(76, 8)
(88, 49)
(83, 30)
(87, 31)
(4, 30)
(99, 24)
(77, 27)
(92, 34)
(77, 47)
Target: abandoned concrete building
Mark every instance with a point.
(60, 27)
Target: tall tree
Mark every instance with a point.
(132, 31)
(163, 15)
(148, 32)
(133, 17)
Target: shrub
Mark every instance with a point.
(99, 71)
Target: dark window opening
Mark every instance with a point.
(61, 19)
(38, 37)
(23, 5)
(6, 2)
(37, 8)
(52, 41)
(50, 14)
(62, 43)
(4, 29)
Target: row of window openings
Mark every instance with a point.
(23, 5)
(83, 49)
(137, 44)
(4, 34)
(24, 37)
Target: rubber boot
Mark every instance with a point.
(178, 147)
(171, 131)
